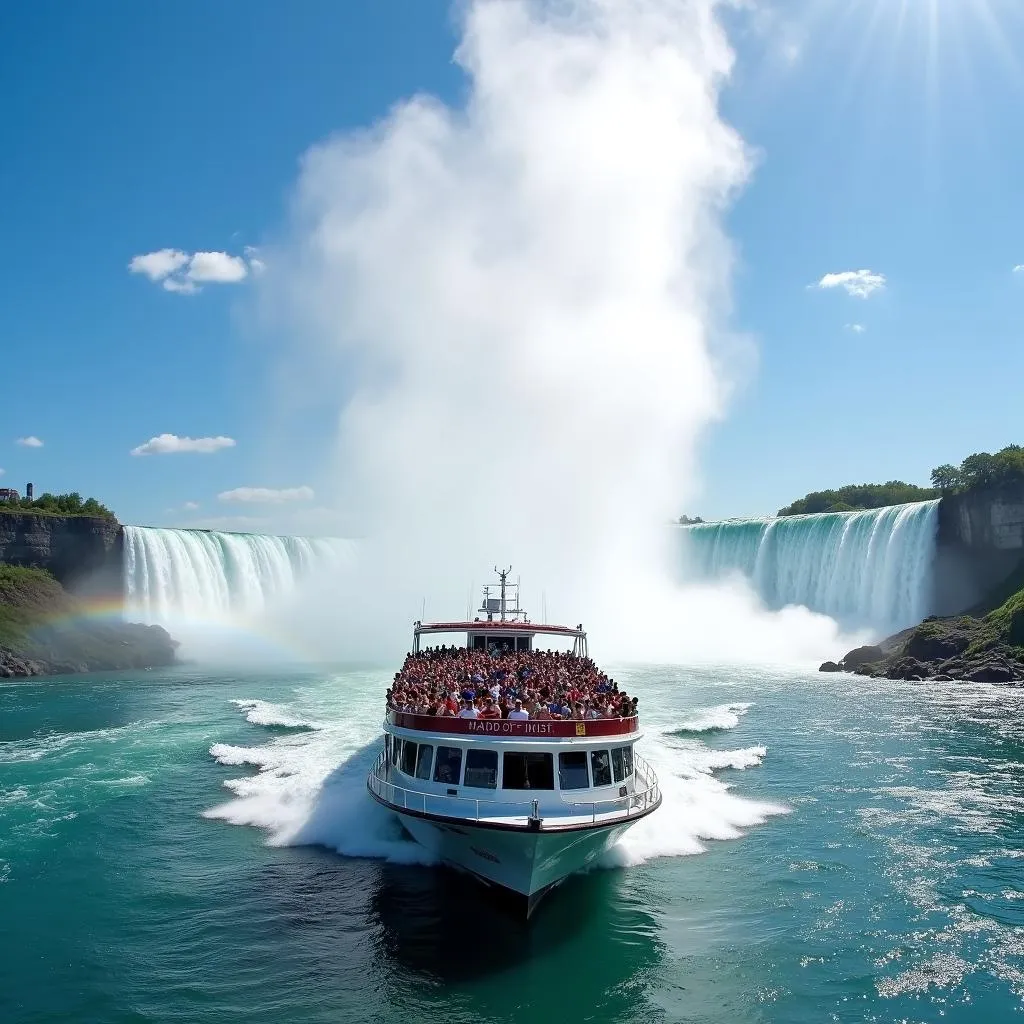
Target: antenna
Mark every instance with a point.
(423, 610)
(503, 576)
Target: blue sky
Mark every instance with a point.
(886, 142)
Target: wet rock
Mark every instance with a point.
(829, 666)
(992, 672)
(862, 656)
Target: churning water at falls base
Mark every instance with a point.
(134, 885)
(870, 569)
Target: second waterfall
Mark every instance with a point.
(871, 569)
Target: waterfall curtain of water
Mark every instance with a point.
(208, 576)
(871, 569)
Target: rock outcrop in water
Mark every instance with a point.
(987, 647)
(42, 632)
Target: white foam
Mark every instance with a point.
(722, 717)
(696, 806)
(261, 712)
(309, 789)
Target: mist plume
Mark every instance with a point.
(516, 303)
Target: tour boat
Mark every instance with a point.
(520, 804)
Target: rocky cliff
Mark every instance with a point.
(44, 630)
(83, 553)
(980, 543)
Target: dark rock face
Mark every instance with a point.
(830, 666)
(936, 644)
(89, 647)
(992, 672)
(943, 650)
(980, 543)
(862, 656)
(83, 553)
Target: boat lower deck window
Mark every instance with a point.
(572, 770)
(408, 757)
(396, 748)
(601, 767)
(527, 771)
(617, 771)
(448, 765)
(627, 761)
(423, 760)
(481, 769)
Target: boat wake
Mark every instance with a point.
(309, 788)
(716, 719)
(272, 716)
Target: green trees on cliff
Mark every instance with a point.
(981, 471)
(58, 505)
(859, 496)
(978, 472)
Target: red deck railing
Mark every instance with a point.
(504, 727)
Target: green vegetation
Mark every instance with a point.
(43, 632)
(859, 496)
(58, 505)
(687, 521)
(1007, 621)
(981, 471)
(27, 597)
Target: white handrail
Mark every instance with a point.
(632, 804)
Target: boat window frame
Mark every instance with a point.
(411, 770)
(429, 749)
(627, 760)
(593, 767)
(438, 762)
(396, 751)
(618, 772)
(527, 755)
(586, 770)
(477, 752)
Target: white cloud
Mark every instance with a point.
(186, 287)
(1019, 268)
(157, 265)
(166, 444)
(185, 273)
(858, 283)
(267, 495)
(217, 266)
(856, 328)
(29, 442)
(191, 506)
(256, 264)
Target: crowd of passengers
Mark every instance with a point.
(519, 685)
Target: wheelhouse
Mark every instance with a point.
(501, 626)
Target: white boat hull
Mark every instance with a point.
(528, 863)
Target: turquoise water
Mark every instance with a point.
(829, 850)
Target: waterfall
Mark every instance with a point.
(870, 569)
(209, 577)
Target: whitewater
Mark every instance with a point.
(311, 764)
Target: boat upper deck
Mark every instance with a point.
(508, 692)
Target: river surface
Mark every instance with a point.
(197, 846)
